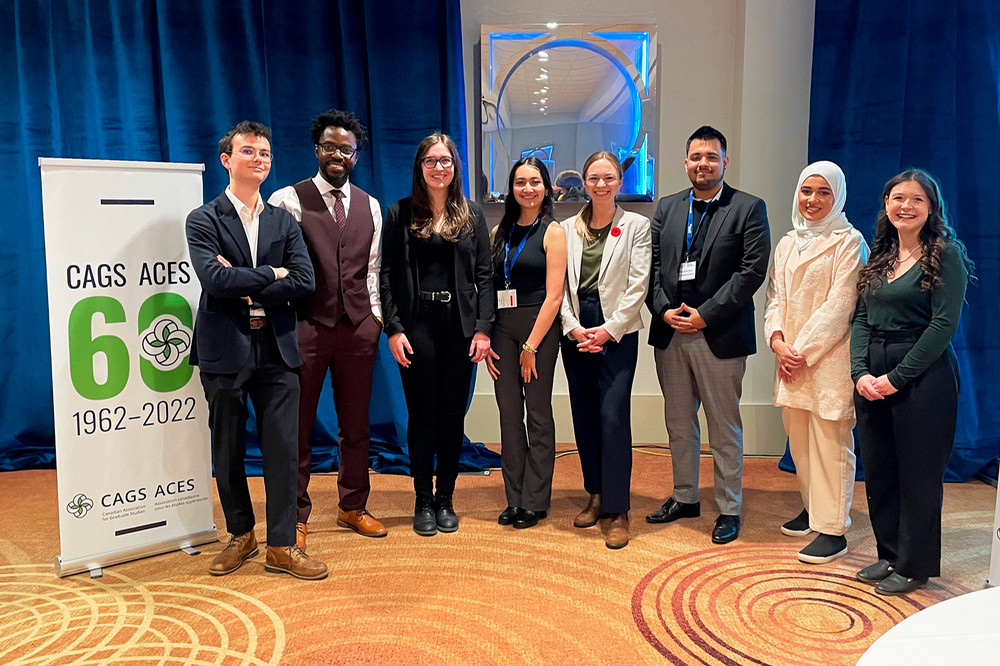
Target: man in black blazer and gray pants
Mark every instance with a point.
(251, 261)
(711, 245)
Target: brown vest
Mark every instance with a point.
(339, 259)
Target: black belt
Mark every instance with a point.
(437, 296)
(897, 335)
(258, 323)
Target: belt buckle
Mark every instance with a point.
(445, 296)
(257, 323)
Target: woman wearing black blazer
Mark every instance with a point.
(438, 304)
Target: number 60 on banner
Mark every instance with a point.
(164, 324)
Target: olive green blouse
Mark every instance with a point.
(900, 305)
(590, 262)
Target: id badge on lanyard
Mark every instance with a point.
(507, 298)
(689, 269)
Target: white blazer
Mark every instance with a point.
(624, 277)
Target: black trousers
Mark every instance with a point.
(600, 396)
(436, 386)
(528, 451)
(906, 440)
(274, 389)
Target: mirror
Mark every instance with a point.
(563, 92)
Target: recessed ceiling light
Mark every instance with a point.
(543, 77)
(551, 25)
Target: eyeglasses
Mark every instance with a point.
(608, 180)
(263, 153)
(347, 152)
(431, 162)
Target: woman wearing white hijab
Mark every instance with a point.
(811, 295)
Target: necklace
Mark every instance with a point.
(906, 256)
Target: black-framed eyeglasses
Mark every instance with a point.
(431, 162)
(347, 152)
(264, 154)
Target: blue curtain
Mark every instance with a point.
(162, 80)
(906, 83)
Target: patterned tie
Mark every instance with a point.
(338, 209)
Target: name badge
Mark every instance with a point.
(507, 298)
(688, 269)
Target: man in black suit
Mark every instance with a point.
(251, 261)
(711, 245)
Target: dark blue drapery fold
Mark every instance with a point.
(906, 83)
(156, 80)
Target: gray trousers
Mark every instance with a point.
(691, 375)
(527, 455)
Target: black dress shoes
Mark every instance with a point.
(874, 573)
(508, 516)
(672, 510)
(424, 520)
(727, 528)
(527, 518)
(895, 585)
(447, 521)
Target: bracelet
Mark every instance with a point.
(528, 348)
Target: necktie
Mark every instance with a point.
(338, 209)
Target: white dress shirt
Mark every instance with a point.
(288, 199)
(251, 226)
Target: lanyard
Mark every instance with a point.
(508, 261)
(691, 230)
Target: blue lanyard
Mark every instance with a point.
(508, 261)
(691, 230)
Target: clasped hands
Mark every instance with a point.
(684, 319)
(790, 361)
(590, 339)
(279, 273)
(875, 388)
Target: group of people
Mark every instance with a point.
(310, 280)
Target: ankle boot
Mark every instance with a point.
(447, 521)
(424, 521)
(588, 517)
(617, 534)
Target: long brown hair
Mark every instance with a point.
(582, 224)
(935, 235)
(458, 219)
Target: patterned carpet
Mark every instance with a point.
(483, 595)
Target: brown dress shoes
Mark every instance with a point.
(300, 535)
(293, 560)
(617, 535)
(361, 522)
(240, 549)
(588, 517)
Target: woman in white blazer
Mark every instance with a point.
(811, 295)
(607, 276)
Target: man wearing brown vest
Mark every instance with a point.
(342, 321)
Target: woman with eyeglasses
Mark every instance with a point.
(438, 306)
(529, 268)
(608, 261)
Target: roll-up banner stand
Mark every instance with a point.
(994, 579)
(131, 425)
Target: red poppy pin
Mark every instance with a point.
(616, 231)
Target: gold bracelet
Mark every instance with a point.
(528, 348)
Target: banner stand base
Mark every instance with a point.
(97, 562)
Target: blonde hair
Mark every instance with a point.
(582, 224)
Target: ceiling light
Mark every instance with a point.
(543, 77)
(538, 92)
(551, 25)
(544, 100)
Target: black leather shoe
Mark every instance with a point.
(508, 516)
(672, 510)
(895, 585)
(727, 528)
(447, 521)
(527, 518)
(424, 521)
(874, 573)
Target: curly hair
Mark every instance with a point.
(342, 119)
(512, 209)
(458, 220)
(936, 234)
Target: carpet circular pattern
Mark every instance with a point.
(118, 620)
(759, 605)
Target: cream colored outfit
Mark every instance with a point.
(811, 295)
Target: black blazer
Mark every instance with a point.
(732, 267)
(222, 329)
(473, 273)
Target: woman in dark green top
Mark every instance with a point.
(906, 376)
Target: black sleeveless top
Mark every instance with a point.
(527, 275)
